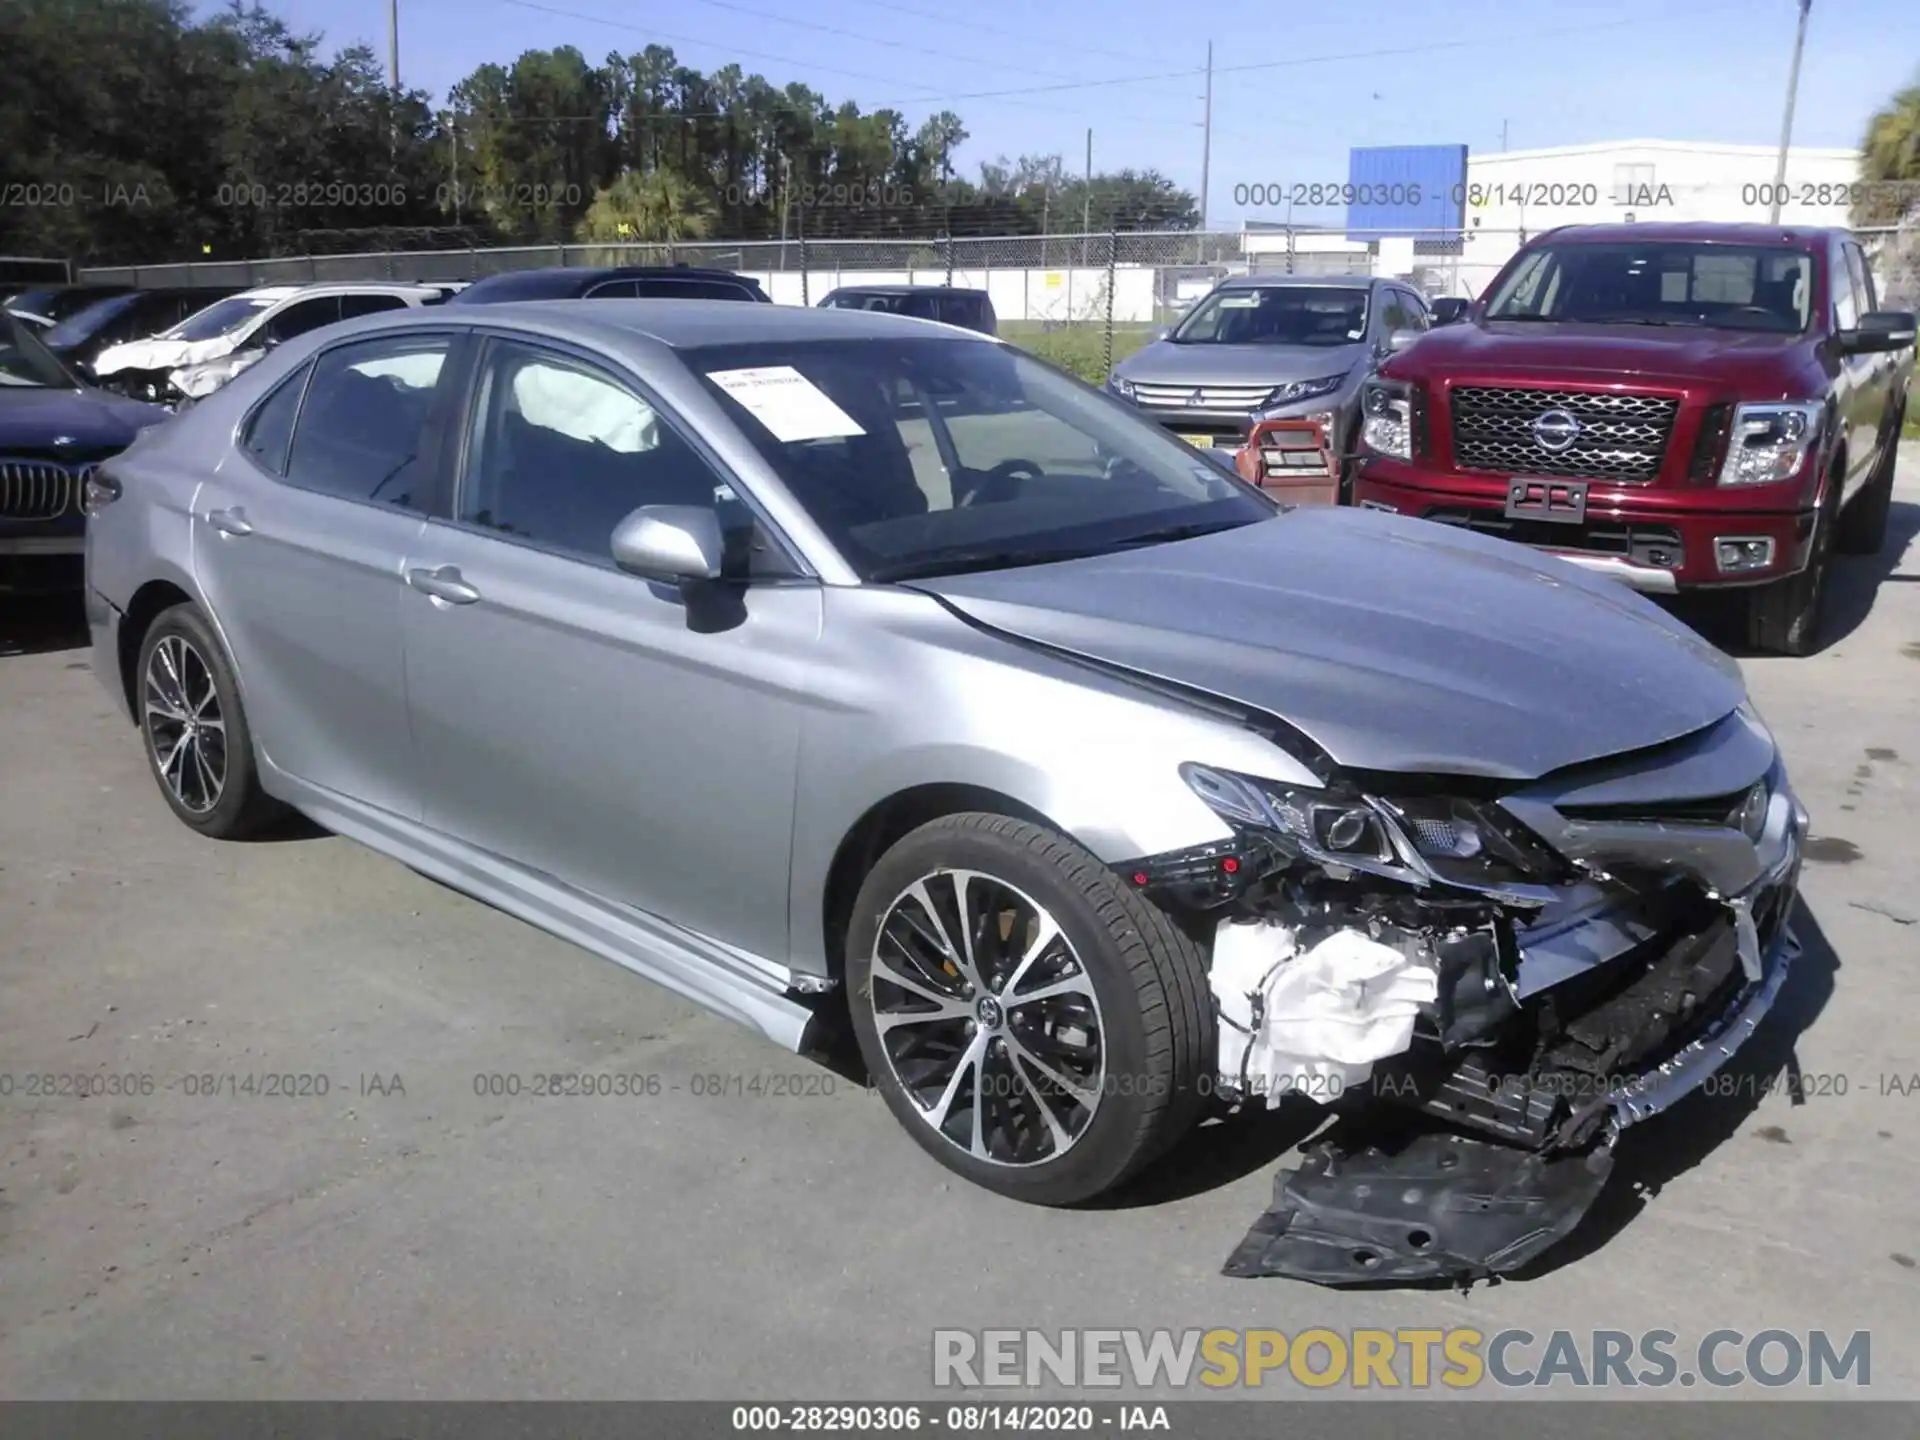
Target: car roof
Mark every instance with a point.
(276, 293)
(1697, 231)
(561, 279)
(1337, 282)
(905, 290)
(680, 324)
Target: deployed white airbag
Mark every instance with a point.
(1311, 1022)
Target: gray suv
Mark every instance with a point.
(1272, 347)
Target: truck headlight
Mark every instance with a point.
(1386, 407)
(1770, 440)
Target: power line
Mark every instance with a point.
(1079, 46)
(696, 40)
(789, 60)
(871, 39)
(1264, 65)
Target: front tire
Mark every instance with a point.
(198, 744)
(1783, 618)
(1036, 1026)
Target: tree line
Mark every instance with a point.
(132, 132)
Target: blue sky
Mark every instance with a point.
(1033, 77)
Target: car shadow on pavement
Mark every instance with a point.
(38, 625)
(1651, 1155)
(1850, 591)
(1220, 1150)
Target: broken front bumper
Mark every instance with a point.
(1438, 1205)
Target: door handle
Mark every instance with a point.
(230, 522)
(443, 584)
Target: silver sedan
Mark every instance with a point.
(826, 666)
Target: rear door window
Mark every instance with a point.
(304, 315)
(1846, 302)
(269, 429)
(363, 426)
(1862, 277)
(356, 305)
(676, 289)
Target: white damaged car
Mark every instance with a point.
(207, 349)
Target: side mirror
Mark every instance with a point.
(674, 543)
(1449, 310)
(1879, 332)
(1400, 340)
(268, 338)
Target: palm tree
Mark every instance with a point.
(655, 206)
(1890, 160)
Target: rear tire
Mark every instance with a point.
(1863, 524)
(1784, 618)
(199, 748)
(1050, 1100)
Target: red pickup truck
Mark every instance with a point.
(1677, 406)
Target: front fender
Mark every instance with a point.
(928, 699)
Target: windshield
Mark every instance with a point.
(25, 362)
(223, 317)
(56, 303)
(1729, 287)
(1277, 315)
(85, 324)
(934, 456)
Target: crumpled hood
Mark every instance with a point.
(89, 420)
(1394, 643)
(158, 354)
(1165, 363)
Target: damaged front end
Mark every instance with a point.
(1490, 986)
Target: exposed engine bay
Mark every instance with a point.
(1488, 988)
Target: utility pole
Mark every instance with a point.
(1086, 201)
(453, 133)
(1503, 134)
(393, 74)
(786, 189)
(1206, 140)
(1786, 122)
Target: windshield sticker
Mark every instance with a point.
(787, 403)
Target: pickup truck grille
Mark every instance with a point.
(39, 489)
(1620, 437)
(1212, 397)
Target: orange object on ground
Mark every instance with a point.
(1293, 459)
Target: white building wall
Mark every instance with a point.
(1518, 193)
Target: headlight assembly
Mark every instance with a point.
(1306, 389)
(1770, 440)
(1387, 424)
(1417, 840)
(1121, 386)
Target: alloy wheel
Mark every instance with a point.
(988, 1018)
(186, 730)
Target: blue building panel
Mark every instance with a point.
(1398, 190)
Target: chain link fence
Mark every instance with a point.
(1082, 300)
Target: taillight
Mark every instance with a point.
(101, 490)
(1710, 445)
